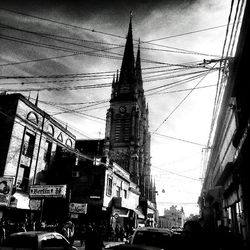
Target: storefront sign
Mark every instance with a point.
(5, 190)
(48, 191)
(74, 216)
(78, 208)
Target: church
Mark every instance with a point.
(127, 137)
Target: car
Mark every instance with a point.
(37, 240)
(177, 230)
(159, 238)
(131, 247)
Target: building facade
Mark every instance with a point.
(106, 189)
(30, 140)
(224, 198)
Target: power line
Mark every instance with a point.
(180, 103)
(186, 33)
(62, 23)
(52, 36)
(183, 90)
(182, 140)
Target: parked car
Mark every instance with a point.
(158, 238)
(37, 240)
(177, 230)
(132, 247)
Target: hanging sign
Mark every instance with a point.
(78, 208)
(48, 191)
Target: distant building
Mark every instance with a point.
(172, 218)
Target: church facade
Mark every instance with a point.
(127, 137)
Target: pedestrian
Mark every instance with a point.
(226, 240)
(194, 237)
(121, 234)
(21, 227)
(71, 227)
(2, 232)
(82, 233)
(68, 231)
(117, 232)
(93, 239)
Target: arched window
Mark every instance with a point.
(32, 117)
(50, 130)
(69, 143)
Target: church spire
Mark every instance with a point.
(138, 65)
(127, 68)
(37, 98)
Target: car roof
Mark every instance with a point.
(153, 229)
(132, 247)
(31, 233)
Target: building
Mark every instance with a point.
(172, 218)
(127, 137)
(224, 199)
(31, 142)
(104, 187)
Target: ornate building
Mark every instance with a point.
(127, 139)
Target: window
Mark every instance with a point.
(109, 186)
(75, 173)
(125, 193)
(54, 241)
(61, 242)
(28, 144)
(32, 117)
(118, 191)
(122, 128)
(69, 143)
(22, 182)
(50, 130)
(47, 152)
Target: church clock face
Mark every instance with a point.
(122, 109)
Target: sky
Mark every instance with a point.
(84, 42)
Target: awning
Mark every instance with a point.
(139, 214)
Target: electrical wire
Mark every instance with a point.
(180, 103)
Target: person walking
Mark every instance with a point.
(68, 231)
(2, 232)
(93, 239)
(194, 236)
(82, 233)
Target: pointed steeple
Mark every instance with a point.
(37, 97)
(138, 65)
(127, 68)
(113, 87)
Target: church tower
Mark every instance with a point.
(127, 137)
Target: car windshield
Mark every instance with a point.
(21, 241)
(157, 239)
